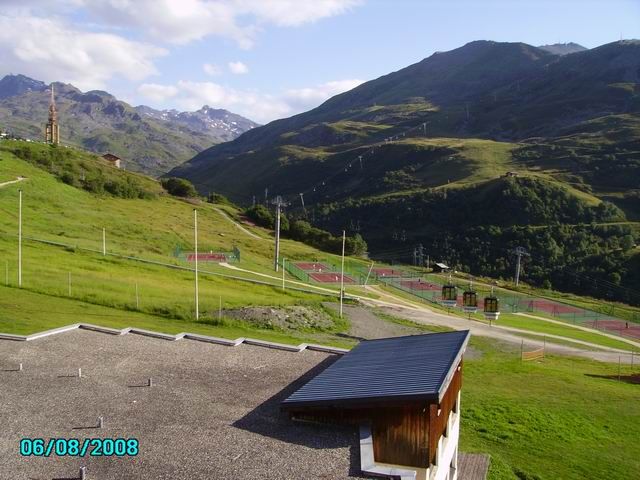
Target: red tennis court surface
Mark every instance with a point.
(207, 257)
(550, 307)
(419, 285)
(623, 328)
(387, 272)
(331, 277)
(312, 267)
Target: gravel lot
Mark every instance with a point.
(213, 412)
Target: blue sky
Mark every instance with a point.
(268, 59)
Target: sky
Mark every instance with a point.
(268, 59)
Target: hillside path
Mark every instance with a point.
(10, 182)
(224, 214)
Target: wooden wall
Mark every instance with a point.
(403, 434)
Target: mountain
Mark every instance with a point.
(423, 155)
(150, 141)
(13, 85)
(563, 48)
(225, 125)
(505, 92)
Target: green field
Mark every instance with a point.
(549, 420)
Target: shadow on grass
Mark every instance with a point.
(633, 379)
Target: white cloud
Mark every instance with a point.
(293, 13)
(238, 68)
(183, 21)
(158, 93)
(262, 108)
(211, 69)
(49, 50)
(302, 98)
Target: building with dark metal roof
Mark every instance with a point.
(404, 393)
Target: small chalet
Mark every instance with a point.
(440, 268)
(112, 159)
(404, 395)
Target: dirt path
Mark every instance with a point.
(10, 182)
(240, 227)
(365, 325)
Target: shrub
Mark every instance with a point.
(179, 187)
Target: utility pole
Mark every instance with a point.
(279, 203)
(303, 207)
(421, 255)
(424, 127)
(266, 195)
(19, 238)
(195, 236)
(344, 238)
(254, 201)
(415, 256)
(519, 252)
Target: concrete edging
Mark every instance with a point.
(172, 338)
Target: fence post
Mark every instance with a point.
(521, 349)
(283, 270)
(619, 367)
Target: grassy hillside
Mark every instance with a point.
(418, 156)
(63, 261)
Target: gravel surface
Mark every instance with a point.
(213, 412)
(365, 325)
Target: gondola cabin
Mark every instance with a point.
(491, 308)
(470, 301)
(449, 295)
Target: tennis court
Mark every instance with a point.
(330, 277)
(207, 257)
(313, 266)
(620, 327)
(420, 285)
(387, 272)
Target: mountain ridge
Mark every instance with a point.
(497, 91)
(150, 141)
(469, 153)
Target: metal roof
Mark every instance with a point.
(417, 367)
